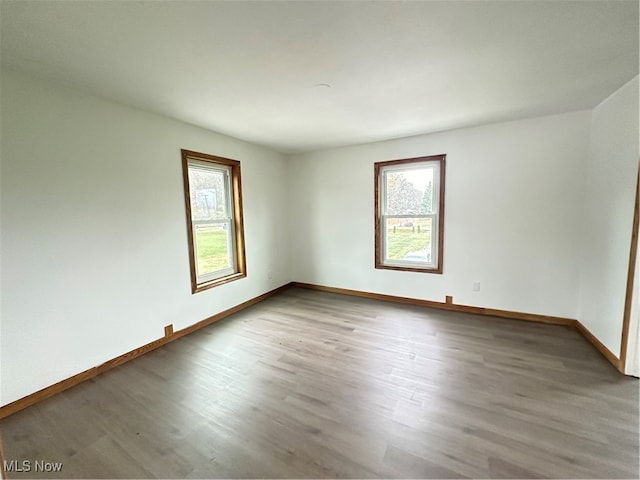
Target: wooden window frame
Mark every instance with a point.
(378, 251)
(235, 195)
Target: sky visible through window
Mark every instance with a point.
(419, 178)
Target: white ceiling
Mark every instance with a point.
(250, 69)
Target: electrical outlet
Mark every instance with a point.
(476, 286)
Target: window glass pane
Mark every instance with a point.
(214, 218)
(208, 193)
(409, 239)
(212, 247)
(410, 191)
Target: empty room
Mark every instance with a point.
(319, 239)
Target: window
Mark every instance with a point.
(214, 219)
(409, 214)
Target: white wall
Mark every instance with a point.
(609, 198)
(94, 245)
(512, 219)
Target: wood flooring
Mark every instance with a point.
(311, 384)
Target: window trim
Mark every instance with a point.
(235, 184)
(379, 241)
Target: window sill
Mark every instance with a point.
(437, 270)
(196, 288)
